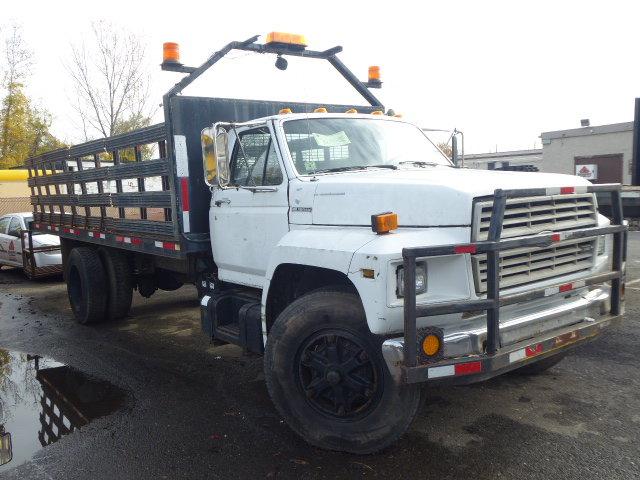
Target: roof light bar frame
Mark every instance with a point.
(250, 45)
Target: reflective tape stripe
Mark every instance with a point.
(567, 287)
(465, 249)
(566, 190)
(527, 352)
(182, 160)
(186, 226)
(205, 300)
(445, 371)
(517, 356)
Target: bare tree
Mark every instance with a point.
(110, 81)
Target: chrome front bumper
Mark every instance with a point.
(523, 324)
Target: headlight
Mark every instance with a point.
(421, 280)
(601, 245)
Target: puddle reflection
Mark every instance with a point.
(42, 400)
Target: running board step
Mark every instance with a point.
(233, 316)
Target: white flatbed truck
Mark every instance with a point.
(339, 242)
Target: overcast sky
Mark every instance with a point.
(502, 72)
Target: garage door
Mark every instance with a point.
(600, 168)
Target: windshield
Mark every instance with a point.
(338, 144)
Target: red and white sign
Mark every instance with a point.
(590, 172)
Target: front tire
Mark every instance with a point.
(86, 285)
(327, 377)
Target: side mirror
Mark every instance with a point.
(208, 157)
(221, 148)
(454, 150)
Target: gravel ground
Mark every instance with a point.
(195, 410)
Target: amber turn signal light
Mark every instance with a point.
(384, 222)
(170, 52)
(431, 345)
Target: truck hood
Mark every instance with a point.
(424, 197)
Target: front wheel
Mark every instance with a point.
(327, 377)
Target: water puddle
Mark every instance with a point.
(41, 400)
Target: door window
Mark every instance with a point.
(254, 161)
(4, 223)
(15, 227)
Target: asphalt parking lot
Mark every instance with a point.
(194, 410)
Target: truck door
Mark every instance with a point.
(250, 216)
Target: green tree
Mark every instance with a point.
(24, 128)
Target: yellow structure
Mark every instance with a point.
(14, 191)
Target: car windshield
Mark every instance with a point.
(340, 144)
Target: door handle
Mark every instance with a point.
(219, 203)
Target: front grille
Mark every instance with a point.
(530, 216)
(528, 265)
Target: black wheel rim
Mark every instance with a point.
(337, 375)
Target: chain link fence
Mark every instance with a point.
(14, 205)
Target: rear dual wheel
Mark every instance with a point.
(98, 284)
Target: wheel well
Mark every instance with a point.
(291, 281)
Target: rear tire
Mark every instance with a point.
(327, 377)
(120, 287)
(86, 285)
(540, 366)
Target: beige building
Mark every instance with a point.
(600, 153)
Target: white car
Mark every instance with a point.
(44, 259)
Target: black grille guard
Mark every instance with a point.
(413, 368)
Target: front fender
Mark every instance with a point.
(449, 277)
(326, 247)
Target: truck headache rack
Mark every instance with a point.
(491, 361)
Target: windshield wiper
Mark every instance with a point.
(420, 163)
(356, 167)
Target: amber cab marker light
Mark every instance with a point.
(292, 40)
(374, 73)
(377, 112)
(368, 273)
(284, 111)
(320, 110)
(431, 345)
(170, 52)
(384, 222)
(351, 110)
